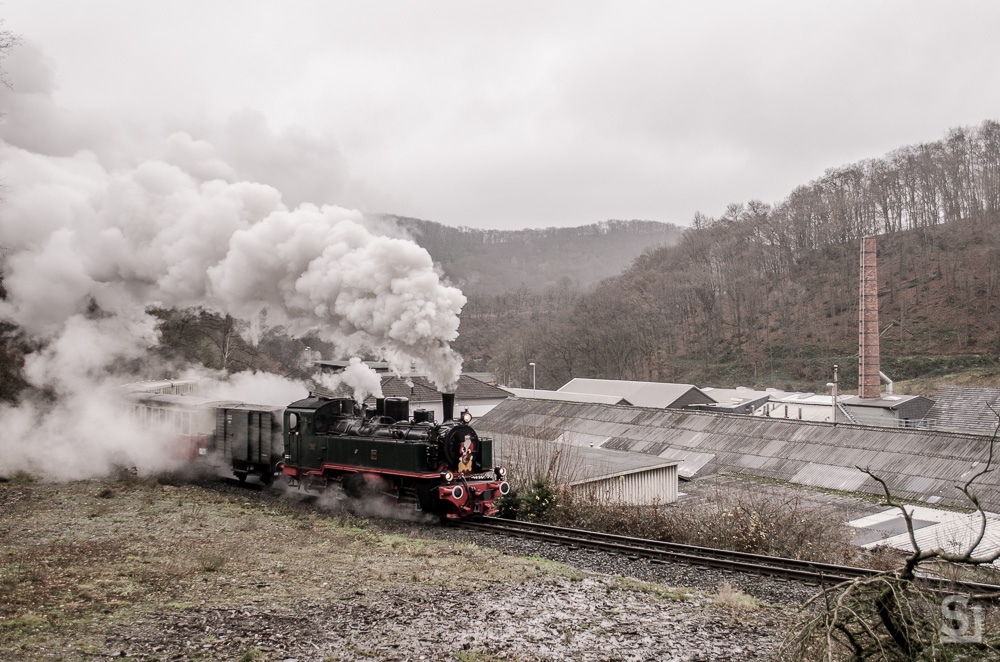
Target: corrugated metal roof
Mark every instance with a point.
(581, 463)
(917, 463)
(625, 469)
(565, 396)
(640, 394)
(734, 395)
(965, 408)
(934, 529)
(885, 402)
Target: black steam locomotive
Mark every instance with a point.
(445, 468)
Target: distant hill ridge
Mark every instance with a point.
(490, 261)
(603, 228)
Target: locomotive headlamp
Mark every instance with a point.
(466, 417)
(501, 471)
(447, 476)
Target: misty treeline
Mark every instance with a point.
(485, 263)
(761, 294)
(194, 336)
(188, 337)
(12, 345)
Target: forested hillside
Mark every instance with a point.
(766, 294)
(493, 261)
(511, 275)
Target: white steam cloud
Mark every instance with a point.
(93, 234)
(362, 380)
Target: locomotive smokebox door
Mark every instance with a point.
(461, 447)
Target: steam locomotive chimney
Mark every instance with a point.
(379, 406)
(868, 347)
(448, 406)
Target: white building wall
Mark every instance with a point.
(873, 415)
(642, 488)
(801, 411)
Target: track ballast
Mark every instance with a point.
(656, 551)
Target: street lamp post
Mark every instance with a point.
(532, 364)
(834, 393)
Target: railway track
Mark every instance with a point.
(668, 552)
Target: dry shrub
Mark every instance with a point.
(742, 519)
(532, 455)
(748, 519)
(887, 619)
(209, 561)
(882, 557)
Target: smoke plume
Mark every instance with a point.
(97, 227)
(362, 380)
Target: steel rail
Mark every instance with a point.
(812, 572)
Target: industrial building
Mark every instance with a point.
(627, 482)
(602, 474)
(919, 464)
(641, 394)
(887, 410)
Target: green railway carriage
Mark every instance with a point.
(249, 438)
(444, 468)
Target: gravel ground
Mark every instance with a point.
(219, 572)
(593, 618)
(766, 589)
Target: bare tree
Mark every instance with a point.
(892, 616)
(8, 40)
(12, 348)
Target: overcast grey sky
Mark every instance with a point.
(514, 114)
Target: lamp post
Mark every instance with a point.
(532, 364)
(834, 392)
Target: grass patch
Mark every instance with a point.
(535, 566)
(22, 478)
(729, 597)
(679, 594)
(476, 656)
(252, 655)
(25, 623)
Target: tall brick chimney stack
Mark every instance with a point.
(868, 350)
